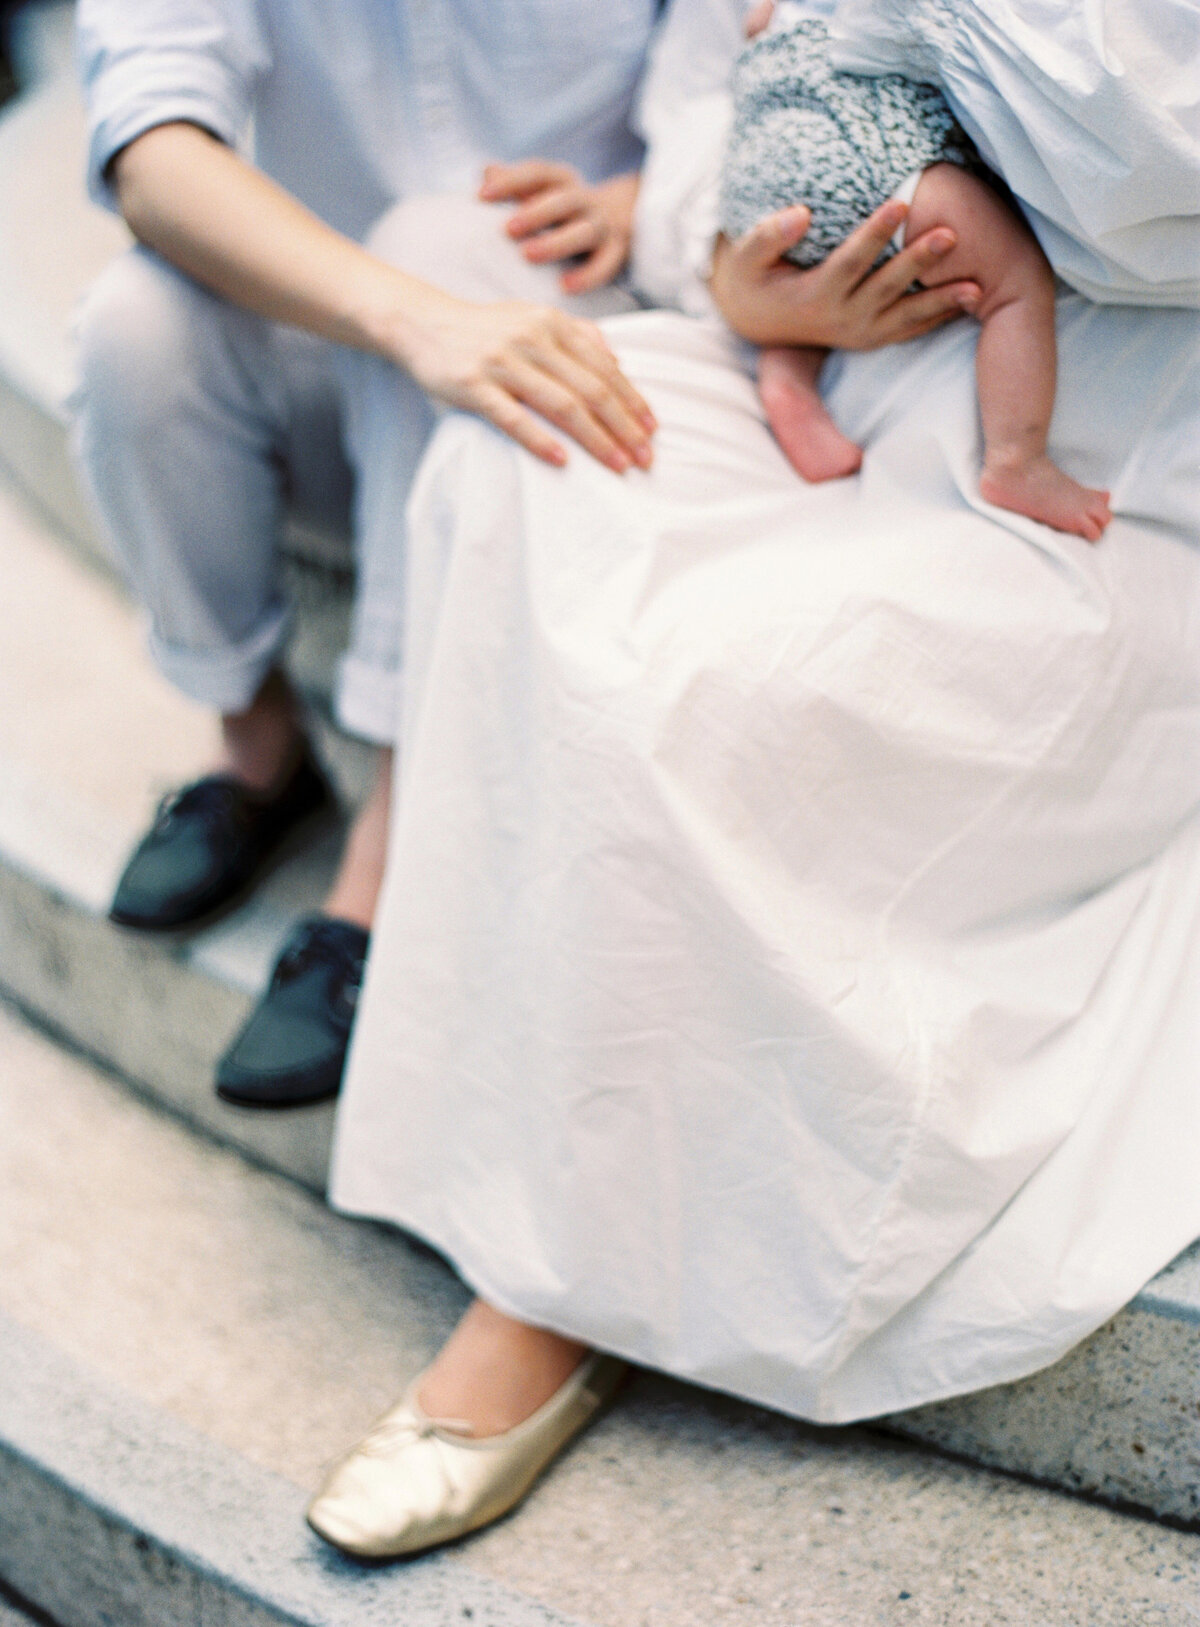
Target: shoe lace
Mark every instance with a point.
(322, 942)
(208, 796)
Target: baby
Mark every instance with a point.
(843, 144)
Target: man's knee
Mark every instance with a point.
(143, 333)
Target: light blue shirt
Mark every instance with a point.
(353, 104)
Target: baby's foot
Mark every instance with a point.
(812, 442)
(1039, 489)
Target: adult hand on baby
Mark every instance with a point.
(842, 303)
(560, 217)
(502, 359)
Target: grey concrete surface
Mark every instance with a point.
(233, 1303)
(1119, 1416)
(113, 1515)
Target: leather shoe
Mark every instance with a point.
(208, 844)
(292, 1049)
(414, 1481)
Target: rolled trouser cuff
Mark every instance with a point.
(368, 700)
(230, 676)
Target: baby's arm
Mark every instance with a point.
(1016, 359)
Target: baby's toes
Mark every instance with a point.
(1099, 509)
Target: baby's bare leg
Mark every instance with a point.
(799, 420)
(1015, 361)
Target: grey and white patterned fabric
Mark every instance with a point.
(842, 143)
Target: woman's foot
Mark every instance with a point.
(494, 1372)
(1038, 488)
(799, 419)
(422, 1477)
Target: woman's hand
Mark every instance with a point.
(560, 217)
(841, 303)
(503, 359)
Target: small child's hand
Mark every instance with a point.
(758, 17)
(561, 217)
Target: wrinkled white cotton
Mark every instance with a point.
(786, 969)
(1090, 112)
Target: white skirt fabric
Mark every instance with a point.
(786, 974)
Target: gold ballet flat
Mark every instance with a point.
(414, 1481)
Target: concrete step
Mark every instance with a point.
(186, 1340)
(53, 245)
(88, 737)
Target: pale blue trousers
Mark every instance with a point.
(199, 425)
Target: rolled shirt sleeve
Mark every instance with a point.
(163, 61)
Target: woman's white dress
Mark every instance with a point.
(787, 969)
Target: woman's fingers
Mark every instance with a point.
(472, 355)
(766, 243)
(503, 182)
(850, 263)
(608, 398)
(563, 242)
(588, 345)
(570, 376)
(927, 309)
(535, 387)
(501, 408)
(849, 301)
(913, 262)
(599, 269)
(544, 209)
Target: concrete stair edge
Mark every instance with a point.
(115, 1512)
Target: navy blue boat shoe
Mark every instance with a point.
(209, 843)
(292, 1049)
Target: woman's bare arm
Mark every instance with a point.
(216, 217)
(840, 304)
